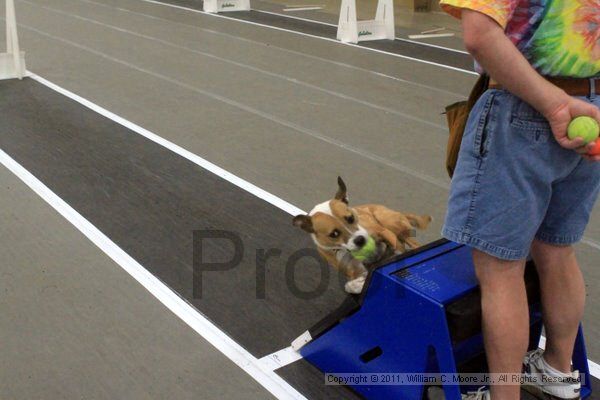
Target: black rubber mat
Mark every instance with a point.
(149, 201)
(302, 374)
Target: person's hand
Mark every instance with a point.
(589, 157)
(561, 115)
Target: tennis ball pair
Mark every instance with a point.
(586, 128)
(366, 251)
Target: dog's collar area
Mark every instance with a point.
(344, 258)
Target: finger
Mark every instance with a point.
(586, 148)
(571, 144)
(581, 108)
(596, 109)
(592, 158)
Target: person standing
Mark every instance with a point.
(521, 187)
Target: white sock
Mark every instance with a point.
(553, 371)
(565, 390)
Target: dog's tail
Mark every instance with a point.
(419, 221)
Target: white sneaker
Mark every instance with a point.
(481, 394)
(535, 366)
(437, 393)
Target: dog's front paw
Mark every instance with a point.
(355, 286)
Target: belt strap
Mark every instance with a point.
(588, 87)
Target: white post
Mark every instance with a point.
(12, 63)
(351, 30)
(385, 16)
(216, 6)
(348, 23)
(12, 38)
(210, 6)
(8, 32)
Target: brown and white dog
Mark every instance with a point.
(338, 229)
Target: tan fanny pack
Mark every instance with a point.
(457, 115)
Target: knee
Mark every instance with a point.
(549, 251)
(549, 255)
(496, 273)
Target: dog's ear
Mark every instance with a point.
(304, 222)
(341, 193)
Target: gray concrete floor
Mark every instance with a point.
(286, 112)
(74, 325)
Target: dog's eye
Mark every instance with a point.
(334, 234)
(350, 219)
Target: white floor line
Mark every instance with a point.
(314, 21)
(594, 369)
(309, 8)
(246, 66)
(281, 358)
(442, 184)
(257, 369)
(297, 53)
(591, 243)
(418, 60)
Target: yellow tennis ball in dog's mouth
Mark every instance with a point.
(586, 128)
(366, 251)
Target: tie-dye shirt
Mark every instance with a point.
(558, 37)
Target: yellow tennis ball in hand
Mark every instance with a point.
(586, 128)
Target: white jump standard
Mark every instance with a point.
(216, 6)
(351, 30)
(12, 63)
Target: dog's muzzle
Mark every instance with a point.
(358, 239)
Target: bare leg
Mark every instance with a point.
(505, 318)
(563, 300)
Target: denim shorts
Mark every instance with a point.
(514, 182)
